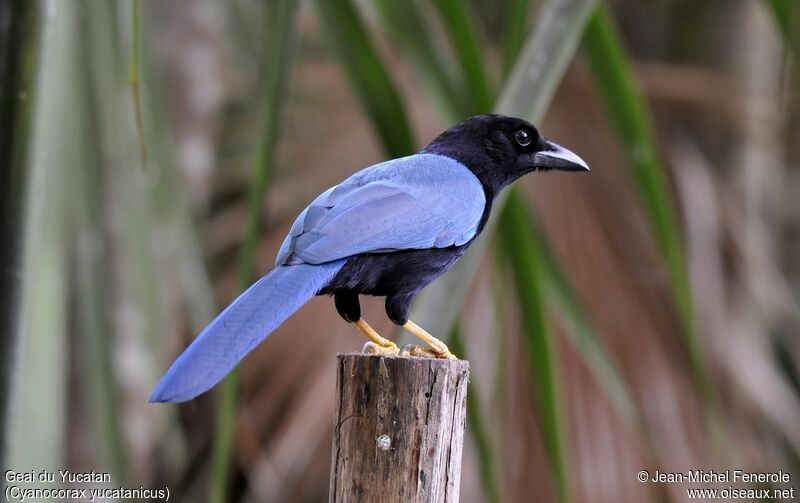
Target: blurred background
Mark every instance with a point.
(643, 316)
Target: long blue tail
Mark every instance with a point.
(240, 327)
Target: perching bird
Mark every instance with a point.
(387, 230)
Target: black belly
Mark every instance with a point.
(398, 276)
(395, 274)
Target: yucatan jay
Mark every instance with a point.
(388, 230)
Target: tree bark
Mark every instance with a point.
(399, 429)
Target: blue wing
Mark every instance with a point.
(415, 202)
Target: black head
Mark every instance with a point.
(500, 149)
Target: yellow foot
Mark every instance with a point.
(437, 348)
(416, 350)
(373, 349)
(377, 344)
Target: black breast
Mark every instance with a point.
(401, 273)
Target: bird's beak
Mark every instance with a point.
(557, 157)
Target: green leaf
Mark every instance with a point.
(579, 328)
(19, 57)
(412, 34)
(456, 17)
(37, 429)
(519, 247)
(134, 77)
(614, 78)
(279, 43)
(367, 74)
(515, 15)
(787, 17)
(279, 49)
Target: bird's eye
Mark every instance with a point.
(523, 138)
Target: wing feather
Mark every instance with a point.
(416, 202)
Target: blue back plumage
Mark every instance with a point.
(415, 202)
(240, 327)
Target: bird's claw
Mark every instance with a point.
(374, 349)
(441, 350)
(431, 352)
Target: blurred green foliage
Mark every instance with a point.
(84, 119)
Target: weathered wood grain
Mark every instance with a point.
(399, 429)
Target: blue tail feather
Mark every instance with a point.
(240, 327)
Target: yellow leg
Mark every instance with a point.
(382, 344)
(438, 348)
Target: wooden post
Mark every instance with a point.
(399, 429)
